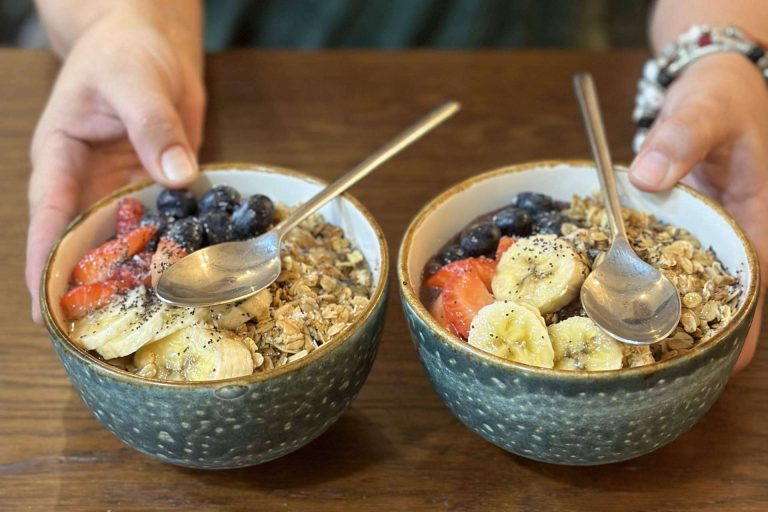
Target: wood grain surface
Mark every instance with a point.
(398, 447)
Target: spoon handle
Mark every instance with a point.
(593, 121)
(384, 153)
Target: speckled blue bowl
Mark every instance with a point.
(236, 422)
(560, 416)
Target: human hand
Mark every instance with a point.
(712, 134)
(127, 104)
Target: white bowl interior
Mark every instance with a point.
(281, 188)
(677, 207)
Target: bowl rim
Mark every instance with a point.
(411, 297)
(60, 337)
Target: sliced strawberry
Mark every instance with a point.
(129, 213)
(463, 297)
(168, 252)
(134, 272)
(100, 264)
(81, 300)
(504, 244)
(481, 266)
(437, 310)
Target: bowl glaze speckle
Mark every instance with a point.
(235, 422)
(559, 416)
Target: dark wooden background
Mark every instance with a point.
(398, 447)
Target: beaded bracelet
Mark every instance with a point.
(661, 71)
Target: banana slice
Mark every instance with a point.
(107, 323)
(637, 355)
(232, 316)
(194, 353)
(579, 344)
(156, 322)
(513, 330)
(543, 270)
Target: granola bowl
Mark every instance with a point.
(561, 412)
(290, 398)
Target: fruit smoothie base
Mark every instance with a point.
(509, 284)
(113, 311)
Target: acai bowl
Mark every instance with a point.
(543, 400)
(283, 392)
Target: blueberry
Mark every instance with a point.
(533, 202)
(221, 198)
(481, 239)
(451, 253)
(176, 203)
(253, 216)
(432, 266)
(160, 222)
(217, 227)
(549, 223)
(513, 221)
(187, 232)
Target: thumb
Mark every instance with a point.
(155, 128)
(678, 141)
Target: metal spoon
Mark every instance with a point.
(626, 297)
(236, 270)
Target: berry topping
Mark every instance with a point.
(187, 232)
(481, 239)
(549, 223)
(176, 203)
(221, 198)
(129, 212)
(533, 202)
(462, 298)
(484, 268)
(168, 252)
(217, 227)
(253, 216)
(451, 253)
(83, 299)
(513, 221)
(100, 264)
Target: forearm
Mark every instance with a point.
(671, 18)
(66, 20)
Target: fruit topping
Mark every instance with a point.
(100, 264)
(481, 239)
(463, 297)
(217, 227)
(253, 216)
(187, 232)
(513, 221)
(129, 212)
(176, 203)
(221, 198)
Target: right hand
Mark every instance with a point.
(128, 103)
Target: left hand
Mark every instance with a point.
(712, 134)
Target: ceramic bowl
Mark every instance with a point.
(555, 415)
(235, 422)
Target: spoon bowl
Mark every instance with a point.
(623, 295)
(629, 299)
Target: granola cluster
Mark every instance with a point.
(324, 285)
(708, 293)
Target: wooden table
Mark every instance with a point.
(398, 447)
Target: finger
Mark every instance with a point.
(154, 127)
(54, 185)
(678, 141)
(192, 110)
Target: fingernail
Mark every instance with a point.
(177, 165)
(651, 168)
